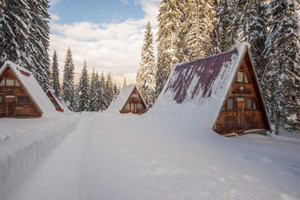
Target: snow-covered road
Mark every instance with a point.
(110, 156)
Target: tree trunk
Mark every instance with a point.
(171, 46)
(277, 122)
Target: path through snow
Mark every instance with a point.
(112, 156)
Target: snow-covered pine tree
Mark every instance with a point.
(109, 92)
(55, 75)
(281, 76)
(169, 19)
(84, 90)
(25, 36)
(38, 41)
(93, 92)
(76, 99)
(200, 25)
(255, 32)
(101, 90)
(146, 74)
(124, 82)
(68, 88)
(224, 37)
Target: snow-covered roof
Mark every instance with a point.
(119, 102)
(202, 85)
(61, 103)
(32, 87)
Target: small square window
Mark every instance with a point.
(10, 82)
(240, 99)
(21, 99)
(2, 82)
(249, 103)
(230, 104)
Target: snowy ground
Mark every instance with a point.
(112, 156)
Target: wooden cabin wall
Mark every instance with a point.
(24, 109)
(133, 101)
(240, 118)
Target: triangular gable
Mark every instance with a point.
(33, 89)
(204, 83)
(119, 102)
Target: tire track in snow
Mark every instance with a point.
(58, 176)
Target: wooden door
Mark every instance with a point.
(240, 114)
(10, 107)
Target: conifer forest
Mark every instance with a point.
(188, 30)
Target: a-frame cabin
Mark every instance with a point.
(20, 94)
(56, 100)
(129, 100)
(225, 89)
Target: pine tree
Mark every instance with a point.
(109, 92)
(102, 93)
(224, 35)
(200, 22)
(55, 75)
(146, 75)
(84, 93)
(281, 76)
(68, 89)
(24, 35)
(169, 19)
(93, 92)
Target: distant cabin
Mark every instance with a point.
(129, 100)
(20, 94)
(57, 101)
(225, 90)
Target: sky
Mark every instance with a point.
(107, 34)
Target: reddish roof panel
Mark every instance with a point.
(198, 76)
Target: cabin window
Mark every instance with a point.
(230, 104)
(140, 106)
(132, 107)
(10, 82)
(2, 82)
(21, 99)
(240, 99)
(251, 105)
(242, 77)
(0, 99)
(28, 100)
(134, 96)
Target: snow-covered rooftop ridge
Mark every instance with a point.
(205, 83)
(32, 87)
(59, 100)
(119, 102)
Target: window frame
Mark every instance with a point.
(226, 105)
(253, 105)
(245, 76)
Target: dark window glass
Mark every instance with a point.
(28, 100)
(230, 104)
(0, 99)
(249, 103)
(21, 99)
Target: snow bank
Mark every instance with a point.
(24, 142)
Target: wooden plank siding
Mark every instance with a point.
(10, 106)
(243, 117)
(131, 105)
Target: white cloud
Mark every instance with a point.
(114, 47)
(54, 17)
